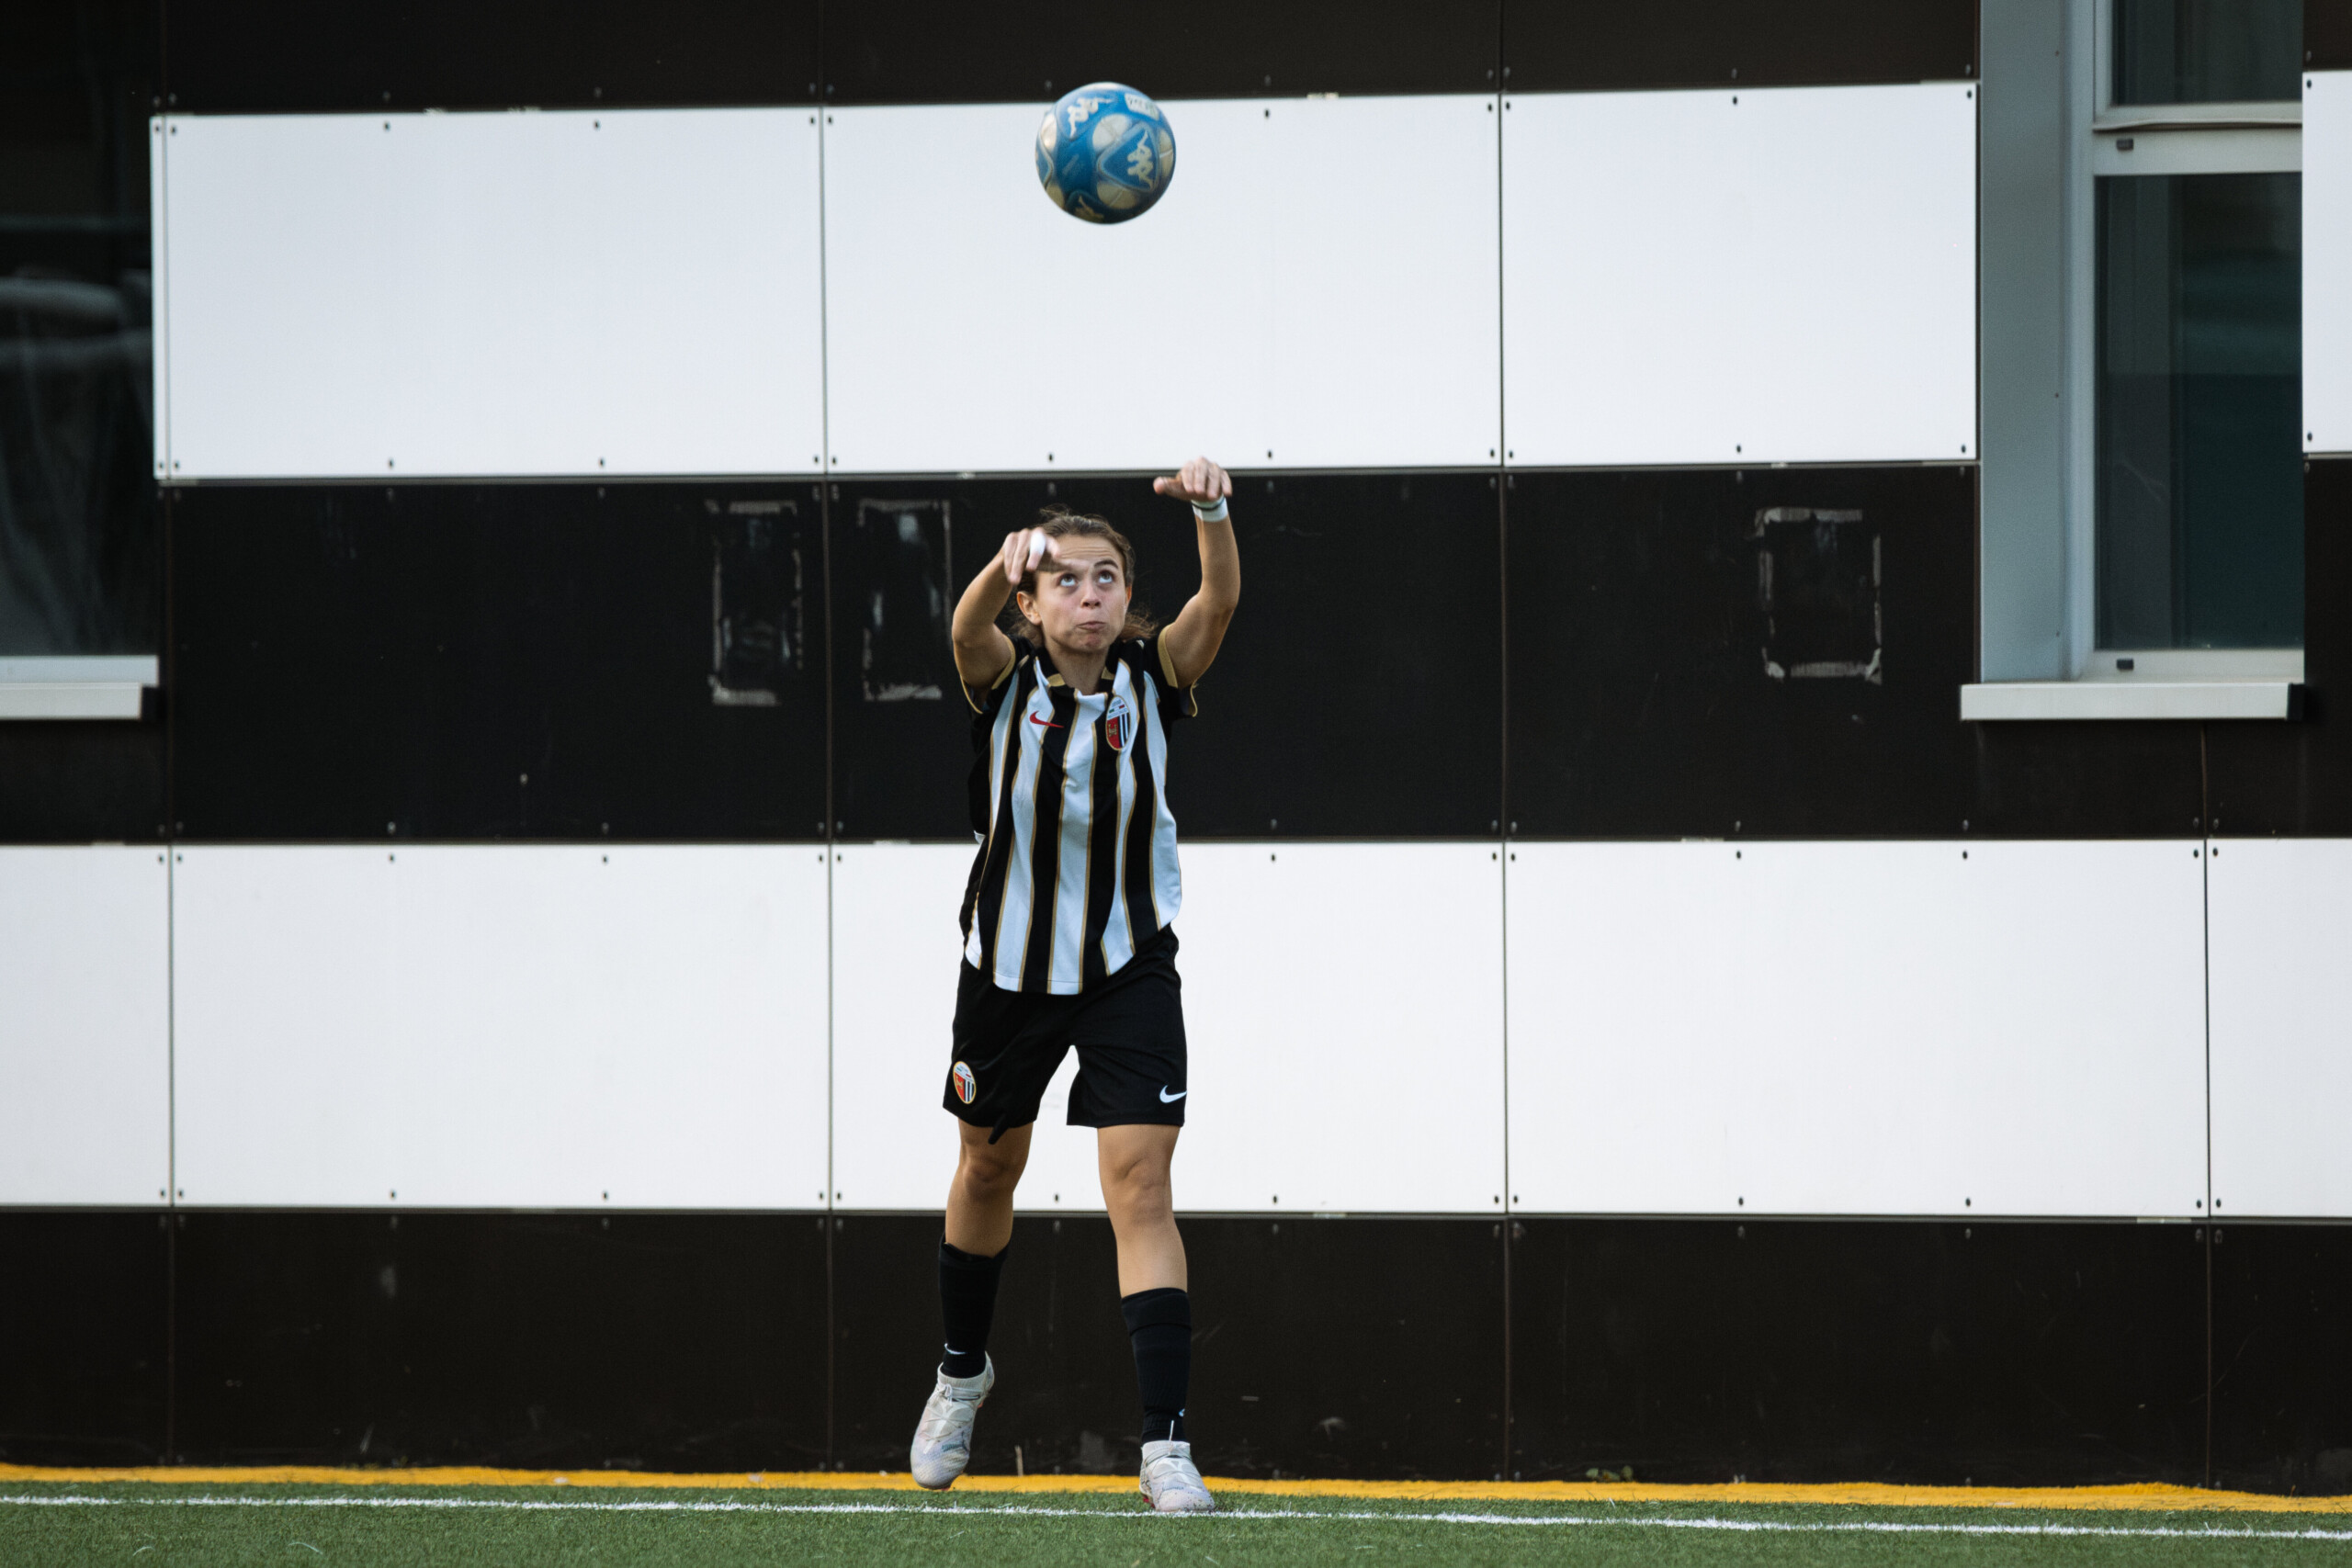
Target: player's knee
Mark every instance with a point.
(988, 1175)
(1141, 1190)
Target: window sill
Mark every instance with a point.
(2004, 700)
(75, 688)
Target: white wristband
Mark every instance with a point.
(1217, 513)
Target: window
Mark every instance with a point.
(2207, 52)
(2192, 264)
(2200, 495)
(81, 563)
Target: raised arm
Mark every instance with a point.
(1193, 638)
(983, 652)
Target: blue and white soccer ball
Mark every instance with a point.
(1105, 153)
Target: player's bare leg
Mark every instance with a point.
(979, 1200)
(978, 1228)
(1153, 1286)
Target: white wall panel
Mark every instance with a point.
(2327, 261)
(496, 1026)
(897, 952)
(624, 292)
(2282, 914)
(1317, 289)
(1785, 274)
(1344, 1016)
(1858, 1028)
(85, 1025)
(1342, 1058)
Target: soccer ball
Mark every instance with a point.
(1105, 153)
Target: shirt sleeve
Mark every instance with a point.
(986, 699)
(1175, 702)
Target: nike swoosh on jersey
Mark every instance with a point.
(1049, 724)
(1168, 1098)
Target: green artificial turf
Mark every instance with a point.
(139, 1524)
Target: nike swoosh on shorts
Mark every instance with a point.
(1168, 1098)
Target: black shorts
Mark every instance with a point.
(1129, 1030)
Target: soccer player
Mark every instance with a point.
(1069, 939)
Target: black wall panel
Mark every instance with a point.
(2327, 35)
(85, 1317)
(1642, 702)
(85, 1312)
(500, 661)
(668, 1342)
(1588, 45)
(1367, 630)
(2282, 1386)
(1353, 1348)
(2092, 780)
(1703, 1351)
(302, 56)
(2044, 1352)
(83, 783)
(940, 52)
(2297, 777)
(1649, 610)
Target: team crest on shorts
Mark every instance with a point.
(1119, 723)
(966, 1085)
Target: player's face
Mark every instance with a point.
(1081, 599)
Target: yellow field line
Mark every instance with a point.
(2143, 1498)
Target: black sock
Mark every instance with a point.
(1160, 1324)
(967, 1307)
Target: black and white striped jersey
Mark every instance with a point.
(1077, 865)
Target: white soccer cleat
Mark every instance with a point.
(1171, 1483)
(943, 1444)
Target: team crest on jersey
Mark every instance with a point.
(1119, 722)
(967, 1085)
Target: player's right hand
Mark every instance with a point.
(1024, 548)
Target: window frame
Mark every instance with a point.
(2107, 140)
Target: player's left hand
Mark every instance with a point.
(1200, 481)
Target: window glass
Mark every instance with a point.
(2203, 51)
(2200, 505)
(80, 560)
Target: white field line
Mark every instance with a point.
(1622, 1521)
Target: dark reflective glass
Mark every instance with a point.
(80, 555)
(2207, 51)
(2200, 480)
